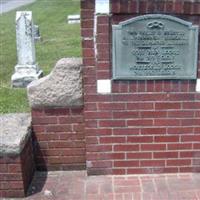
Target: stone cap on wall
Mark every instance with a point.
(15, 129)
(61, 88)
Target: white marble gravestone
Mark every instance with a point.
(27, 69)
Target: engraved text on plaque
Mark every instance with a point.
(155, 47)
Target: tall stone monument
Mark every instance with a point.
(27, 69)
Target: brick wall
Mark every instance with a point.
(142, 126)
(16, 173)
(59, 140)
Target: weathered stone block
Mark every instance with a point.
(15, 130)
(61, 88)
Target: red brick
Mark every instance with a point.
(196, 8)
(126, 131)
(91, 140)
(153, 114)
(190, 122)
(99, 148)
(88, 23)
(166, 139)
(78, 127)
(140, 106)
(91, 124)
(167, 106)
(169, 6)
(179, 6)
(3, 168)
(167, 122)
(111, 106)
(141, 86)
(180, 114)
(87, 32)
(126, 163)
(140, 139)
(153, 131)
(88, 53)
(103, 29)
(118, 171)
(47, 136)
(191, 105)
(133, 86)
(143, 6)
(38, 128)
(37, 112)
(160, 6)
(125, 114)
(196, 146)
(100, 164)
(140, 122)
(153, 147)
(179, 146)
(181, 97)
(99, 131)
(89, 4)
(14, 168)
(139, 155)
(124, 6)
(57, 111)
(165, 155)
(126, 147)
(103, 74)
(103, 65)
(112, 140)
(69, 119)
(66, 144)
(187, 7)
(115, 7)
(150, 86)
(59, 128)
(190, 138)
(103, 38)
(182, 162)
(105, 156)
(88, 61)
(44, 120)
(190, 154)
(152, 163)
(180, 130)
(103, 20)
(87, 14)
(112, 123)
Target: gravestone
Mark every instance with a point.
(37, 36)
(155, 47)
(27, 69)
(73, 19)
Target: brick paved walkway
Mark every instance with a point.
(77, 186)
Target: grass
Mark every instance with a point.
(59, 40)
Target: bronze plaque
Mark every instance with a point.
(153, 47)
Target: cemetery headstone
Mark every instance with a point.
(73, 19)
(26, 69)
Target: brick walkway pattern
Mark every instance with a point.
(77, 185)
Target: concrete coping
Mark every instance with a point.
(15, 130)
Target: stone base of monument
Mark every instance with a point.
(25, 74)
(16, 156)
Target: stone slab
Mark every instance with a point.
(61, 88)
(15, 129)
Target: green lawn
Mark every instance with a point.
(59, 40)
